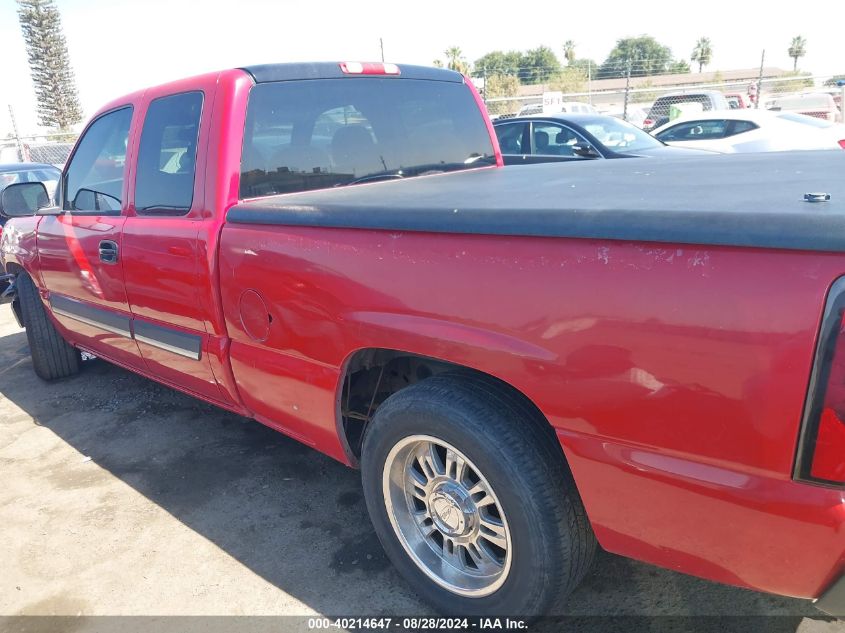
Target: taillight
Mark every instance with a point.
(369, 68)
(842, 143)
(829, 453)
(821, 447)
(647, 122)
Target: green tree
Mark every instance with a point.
(569, 52)
(455, 59)
(568, 80)
(499, 85)
(49, 66)
(539, 65)
(679, 66)
(437, 63)
(797, 49)
(702, 53)
(645, 55)
(499, 63)
(588, 67)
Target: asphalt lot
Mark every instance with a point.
(123, 497)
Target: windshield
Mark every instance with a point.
(618, 135)
(804, 119)
(315, 134)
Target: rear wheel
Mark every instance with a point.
(472, 499)
(52, 356)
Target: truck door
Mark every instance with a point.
(168, 283)
(79, 250)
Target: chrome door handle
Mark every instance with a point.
(108, 252)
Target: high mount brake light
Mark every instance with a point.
(369, 68)
(821, 447)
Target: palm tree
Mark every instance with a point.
(796, 50)
(569, 51)
(455, 59)
(702, 53)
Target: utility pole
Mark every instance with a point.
(627, 89)
(760, 81)
(15, 132)
(381, 44)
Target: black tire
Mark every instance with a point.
(52, 356)
(515, 449)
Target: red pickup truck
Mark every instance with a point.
(523, 362)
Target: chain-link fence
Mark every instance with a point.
(649, 101)
(43, 148)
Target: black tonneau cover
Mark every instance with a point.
(744, 200)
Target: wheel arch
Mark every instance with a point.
(370, 375)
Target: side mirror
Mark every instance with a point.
(585, 150)
(23, 199)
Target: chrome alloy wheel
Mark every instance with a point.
(447, 516)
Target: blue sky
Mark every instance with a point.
(117, 46)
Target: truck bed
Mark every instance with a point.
(752, 200)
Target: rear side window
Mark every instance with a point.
(315, 134)
(554, 140)
(167, 155)
(94, 180)
(695, 131)
(738, 127)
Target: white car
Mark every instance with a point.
(734, 131)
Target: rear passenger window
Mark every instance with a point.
(315, 134)
(167, 155)
(554, 140)
(94, 181)
(739, 127)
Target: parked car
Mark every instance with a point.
(660, 110)
(820, 105)
(16, 173)
(572, 107)
(11, 173)
(751, 131)
(523, 362)
(571, 137)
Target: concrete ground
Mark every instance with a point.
(122, 497)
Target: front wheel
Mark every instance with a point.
(52, 356)
(472, 500)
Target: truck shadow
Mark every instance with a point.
(298, 519)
